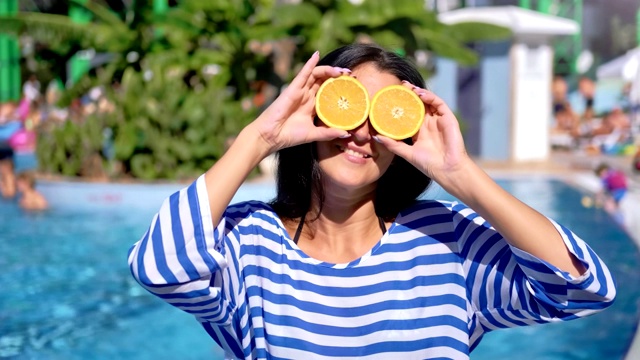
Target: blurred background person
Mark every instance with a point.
(610, 134)
(30, 198)
(559, 89)
(614, 189)
(587, 88)
(7, 175)
(566, 123)
(31, 89)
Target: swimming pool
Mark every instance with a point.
(68, 294)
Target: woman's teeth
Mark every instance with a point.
(355, 153)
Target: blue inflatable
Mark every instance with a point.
(8, 129)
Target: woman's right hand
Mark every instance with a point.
(289, 120)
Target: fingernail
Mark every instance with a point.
(345, 136)
(405, 82)
(346, 70)
(375, 137)
(316, 53)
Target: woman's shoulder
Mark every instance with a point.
(431, 207)
(250, 207)
(254, 218)
(428, 205)
(252, 212)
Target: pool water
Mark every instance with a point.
(67, 292)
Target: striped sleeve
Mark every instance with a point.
(185, 261)
(509, 287)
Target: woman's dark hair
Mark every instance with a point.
(299, 178)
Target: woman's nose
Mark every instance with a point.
(363, 133)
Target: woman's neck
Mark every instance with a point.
(342, 232)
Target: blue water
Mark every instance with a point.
(68, 294)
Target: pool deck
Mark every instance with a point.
(577, 169)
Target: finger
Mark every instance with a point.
(432, 122)
(308, 107)
(429, 109)
(434, 101)
(322, 73)
(431, 100)
(408, 85)
(321, 133)
(397, 147)
(426, 127)
(306, 70)
(413, 87)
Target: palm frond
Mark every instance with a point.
(86, 82)
(55, 29)
(446, 46)
(475, 31)
(103, 14)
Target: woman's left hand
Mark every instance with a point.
(438, 148)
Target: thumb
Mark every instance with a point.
(397, 147)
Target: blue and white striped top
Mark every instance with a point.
(438, 280)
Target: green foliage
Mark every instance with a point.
(181, 96)
(171, 115)
(402, 24)
(70, 148)
(173, 131)
(155, 131)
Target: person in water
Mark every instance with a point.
(347, 260)
(7, 171)
(30, 197)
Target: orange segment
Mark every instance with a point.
(342, 103)
(396, 112)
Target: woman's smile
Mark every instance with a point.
(354, 154)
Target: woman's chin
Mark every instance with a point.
(349, 181)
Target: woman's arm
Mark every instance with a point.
(183, 260)
(188, 257)
(438, 151)
(225, 177)
(521, 226)
(286, 122)
(181, 245)
(509, 287)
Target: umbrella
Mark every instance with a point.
(624, 67)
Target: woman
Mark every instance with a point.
(345, 262)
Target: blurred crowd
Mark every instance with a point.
(37, 106)
(594, 133)
(19, 121)
(614, 132)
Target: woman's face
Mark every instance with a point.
(357, 162)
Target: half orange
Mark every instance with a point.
(342, 103)
(396, 112)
